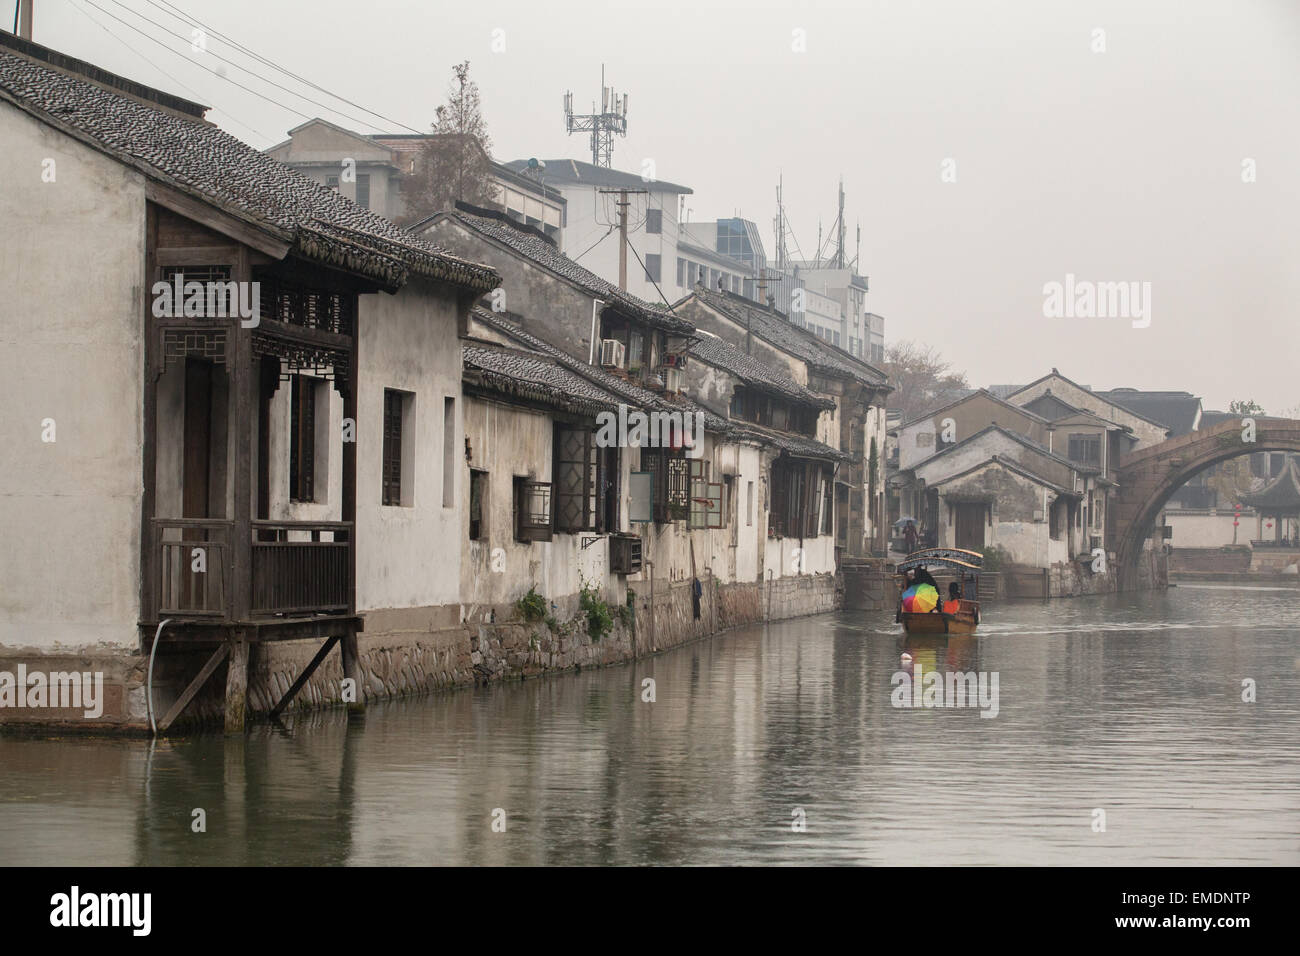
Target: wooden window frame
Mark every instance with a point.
(479, 482)
(302, 438)
(394, 411)
(532, 524)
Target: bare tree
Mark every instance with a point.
(921, 378)
(454, 162)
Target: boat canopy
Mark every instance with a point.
(951, 558)
(973, 558)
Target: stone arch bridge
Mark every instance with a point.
(1149, 476)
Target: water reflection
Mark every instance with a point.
(1131, 704)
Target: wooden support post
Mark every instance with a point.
(352, 669)
(304, 676)
(237, 684)
(187, 695)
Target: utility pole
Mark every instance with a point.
(622, 202)
(23, 18)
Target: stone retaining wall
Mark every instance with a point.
(418, 651)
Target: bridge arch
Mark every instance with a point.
(1149, 477)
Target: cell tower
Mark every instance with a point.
(611, 119)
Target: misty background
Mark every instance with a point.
(1122, 165)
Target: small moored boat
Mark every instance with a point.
(964, 620)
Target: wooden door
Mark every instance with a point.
(970, 526)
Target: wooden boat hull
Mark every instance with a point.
(963, 622)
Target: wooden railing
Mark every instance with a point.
(193, 566)
(298, 567)
(301, 567)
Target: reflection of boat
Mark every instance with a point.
(967, 564)
(941, 651)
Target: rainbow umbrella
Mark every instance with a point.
(920, 599)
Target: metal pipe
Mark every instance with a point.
(595, 304)
(149, 681)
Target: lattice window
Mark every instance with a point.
(575, 478)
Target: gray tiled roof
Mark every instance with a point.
(722, 354)
(535, 376)
(1282, 493)
(574, 172)
(627, 392)
(532, 245)
(1175, 410)
(776, 329)
(166, 140)
(637, 397)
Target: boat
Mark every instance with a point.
(967, 564)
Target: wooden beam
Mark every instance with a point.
(197, 255)
(321, 338)
(195, 686)
(304, 676)
(207, 215)
(237, 685)
(149, 430)
(352, 669)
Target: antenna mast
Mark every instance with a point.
(603, 125)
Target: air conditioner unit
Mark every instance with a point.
(672, 380)
(625, 554)
(612, 352)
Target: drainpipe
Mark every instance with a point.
(149, 681)
(652, 604)
(595, 304)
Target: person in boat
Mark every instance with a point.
(953, 604)
(915, 576)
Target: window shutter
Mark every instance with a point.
(574, 480)
(714, 494)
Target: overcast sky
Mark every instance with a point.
(1122, 165)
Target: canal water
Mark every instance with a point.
(1120, 737)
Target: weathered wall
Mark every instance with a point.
(918, 440)
(550, 307)
(1148, 432)
(71, 351)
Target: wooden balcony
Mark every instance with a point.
(298, 569)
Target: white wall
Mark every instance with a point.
(1209, 529)
(588, 216)
(409, 556)
(72, 309)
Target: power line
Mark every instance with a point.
(667, 305)
(182, 15)
(185, 86)
(245, 69)
(154, 39)
(593, 245)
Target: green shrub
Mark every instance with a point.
(599, 620)
(532, 606)
(995, 556)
